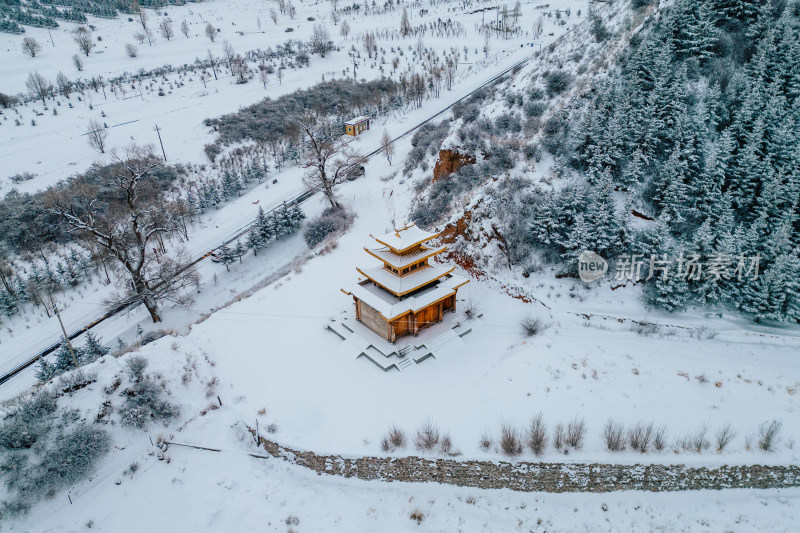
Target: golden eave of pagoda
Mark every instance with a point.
(399, 294)
(400, 252)
(422, 257)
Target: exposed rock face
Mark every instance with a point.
(449, 161)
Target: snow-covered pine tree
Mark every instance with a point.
(226, 256)
(240, 250)
(92, 349)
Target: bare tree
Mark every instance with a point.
(96, 135)
(263, 74)
(273, 15)
(331, 161)
(131, 50)
(64, 85)
(240, 69)
(344, 29)
(185, 28)
(370, 45)
(166, 29)
(230, 54)
(320, 40)
(387, 147)
(129, 220)
(83, 38)
(78, 62)
(280, 75)
(39, 86)
(211, 32)
(30, 46)
(213, 62)
(140, 37)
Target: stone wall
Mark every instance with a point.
(541, 477)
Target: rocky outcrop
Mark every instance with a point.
(449, 161)
(541, 477)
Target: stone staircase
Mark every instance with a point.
(359, 341)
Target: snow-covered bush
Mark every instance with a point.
(768, 435)
(329, 222)
(28, 419)
(556, 82)
(144, 402)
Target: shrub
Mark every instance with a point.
(599, 30)
(510, 441)
(417, 515)
(427, 436)
(446, 445)
(68, 460)
(558, 436)
(135, 367)
(532, 326)
(486, 441)
(576, 429)
(394, 439)
(330, 221)
(28, 420)
(660, 438)
(698, 441)
(724, 436)
(537, 435)
(639, 436)
(143, 403)
(768, 435)
(535, 109)
(7, 101)
(556, 82)
(614, 435)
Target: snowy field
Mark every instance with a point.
(266, 354)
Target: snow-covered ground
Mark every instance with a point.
(275, 361)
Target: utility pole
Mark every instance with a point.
(64, 330)
(51, 37)
(158, 132)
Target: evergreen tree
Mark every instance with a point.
(92, 349)
(45, 371)
(240, 250)
(255, 240)
(64, 358)
(226, 256)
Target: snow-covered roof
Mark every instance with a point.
(391, 307)
(405, 238)
(409, 282)
(354, 121)
(400, 261)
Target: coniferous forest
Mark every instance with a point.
(698, 123)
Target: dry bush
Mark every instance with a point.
(417, 515)
(510, 441)
(699, 441)
(532, 326)
(396, 437)
(446, 445)
(614, 435)
(558, 436)
(724, 436)
(768, 435)
(537, 435)
(576, 430)
(639, 436)
(486, 441)
(427, 436)
(660, 438)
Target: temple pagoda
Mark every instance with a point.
(405, 293)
